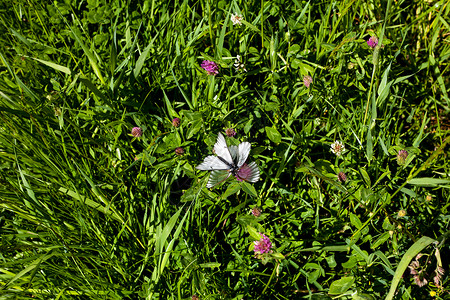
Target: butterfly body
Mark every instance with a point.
(229, 161)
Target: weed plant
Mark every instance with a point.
(106, 111)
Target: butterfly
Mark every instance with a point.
(229, 160)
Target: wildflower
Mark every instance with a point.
(236, 19)
(437, 281)
(342, 177)
(372, 41)
(210, 67)
(418, 272)
(263, 245)
(401, 213)
(432, 293)
(401, 157)
(136, 132)
(256, 211)
(307, 80)
(317, 122)
(413, 266)
(429, 198)
(440, 271)
(239, 65)
(230, 132)
(420, 280)
(337, 148)
(176, 122)
(179, 151)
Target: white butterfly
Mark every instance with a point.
(229, 161)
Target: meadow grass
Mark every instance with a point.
(91, 211)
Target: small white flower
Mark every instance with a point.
(236, 19)
(337, 148)
(317, 122)
(238, 64)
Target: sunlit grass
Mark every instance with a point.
(92, 207)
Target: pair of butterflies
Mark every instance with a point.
(229, 160)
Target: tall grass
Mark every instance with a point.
(89, 211)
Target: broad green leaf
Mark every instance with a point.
(363, 296)
(278, 255)
(54, 66)
(141, 60)
(249, 189)
(341, 286)
(365, 176)
(233, 188)
(385, 260)
(429, 181)
(331, 261)
(251, 26)
(253, 233)
(210, 265)
(354, 219)
(273, 134)
(381, 239)
(360, 254)
(293, 49)
(350, 263)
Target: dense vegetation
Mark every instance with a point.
(106, 111)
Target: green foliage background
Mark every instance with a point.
(88, 211)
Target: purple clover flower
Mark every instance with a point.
(179, 151)
(307, 80)
(256, 211)
(176, 122)
(263, 245)
(372, 42)
(230, 132)
(401, 157)
(210, 67)
(136, 132)
(342, 177)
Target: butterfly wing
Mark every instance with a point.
(228, 158)
(240, 153)
(212, 163)
(248, 172)
(221, 149)
(244, 151)
(234, 151)
(216, 177)
(254, 174)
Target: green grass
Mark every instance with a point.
(90, 212)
